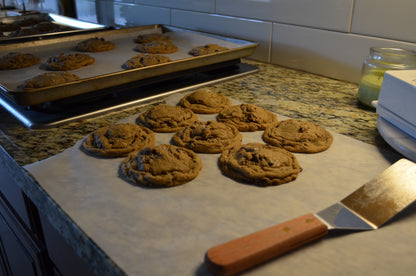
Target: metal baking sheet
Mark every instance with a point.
(65, 26)
(107, 70)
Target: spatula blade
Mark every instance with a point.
(382, 198)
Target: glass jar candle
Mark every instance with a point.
(376, 64)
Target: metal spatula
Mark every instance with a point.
(369, 207)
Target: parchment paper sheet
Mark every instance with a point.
(167, 231)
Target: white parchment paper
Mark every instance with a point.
(167, 231)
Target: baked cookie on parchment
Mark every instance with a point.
(143, 60)
(161, 166)
(208, 137)
(167, 118)
(49, 79)
(206, 49)
(205, 102)
(146, 38)
(259, 164)
(157, 47)
(247, 117)
(298, 136)
(64, 62)
(15, 60)
(118, 140)
(95, 44)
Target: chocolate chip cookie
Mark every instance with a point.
(64, 62)
(118, 140)
(206, 49)
(15, 60)
(157, 47)
(161, 166)
(247, 117)
(205, 102)
(49, 79)
(95, 45)
(143, 60)
(298, 136)
(259, 164)
(167, 118)
(208, 137)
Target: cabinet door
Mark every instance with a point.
(15, 258)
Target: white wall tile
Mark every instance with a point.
(385, 18)
(324, 14)
(328, 53)
(251, 30)
(136, 15)
(193, 5)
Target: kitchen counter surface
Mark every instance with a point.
(330, 103)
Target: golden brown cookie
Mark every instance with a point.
(259, 164)
(95, 44)
(65, 62)
(143, 60)
(208, 137)
(167, 118)
(161, 166)
(247, 117)
(16, 60)
(146, 38)
(157, 47)
(118, 140)
(206, 49)
(49, 79)
(205, 102)
(298, 136)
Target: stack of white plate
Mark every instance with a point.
(396, 109)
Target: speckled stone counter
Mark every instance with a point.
(330, 103)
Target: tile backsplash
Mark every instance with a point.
(326, 37)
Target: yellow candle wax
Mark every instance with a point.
(370, 86)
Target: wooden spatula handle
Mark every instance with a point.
(240, 254)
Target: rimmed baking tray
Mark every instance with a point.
(107, 71)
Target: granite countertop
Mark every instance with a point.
(328, 102)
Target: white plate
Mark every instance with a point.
(397, 139)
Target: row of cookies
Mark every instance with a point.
(151, 45)
(176, 163)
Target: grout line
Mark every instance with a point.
(351, 16)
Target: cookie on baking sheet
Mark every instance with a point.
(64, 62)
(247, 117)
(167, 118)
(143, 60)
(298, 136)
(15, 60)
(49, 79)
(259, 164)
(161, 166)
(208, 137)
(146, 38)
(206, 49)
(205, 102)
(157, 47)
(118, 140)
(95, 44)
